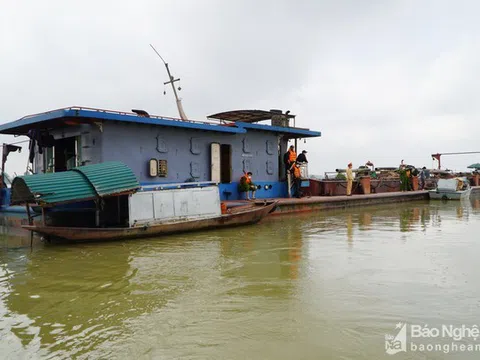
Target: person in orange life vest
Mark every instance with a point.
(296, 180)
(246, 185)
(289, 159)
(292, 156)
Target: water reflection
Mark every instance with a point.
(349, 223)
(412, 217)
(476, 203)
(72, 299)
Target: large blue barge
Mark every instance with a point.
(162, 150)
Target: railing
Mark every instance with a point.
(211, 122)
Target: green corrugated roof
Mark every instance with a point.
(78, 184)
(52, 188)
(110, 178)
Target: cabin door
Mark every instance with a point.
(215, 162)
(226, 163)
(65, 154)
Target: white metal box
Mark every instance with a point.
(158, 206)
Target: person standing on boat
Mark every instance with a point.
(289, 159)
(246, 185)
(349, 173)
(421, 179)
(297, 180)
(302, 158)
(292, 156)
(405, 179)
(409, 175)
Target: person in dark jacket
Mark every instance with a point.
(302, 158)
(421, 178)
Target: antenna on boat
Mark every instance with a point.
(172, 80)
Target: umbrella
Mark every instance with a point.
(474, 166)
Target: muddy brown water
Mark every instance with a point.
(326, 285)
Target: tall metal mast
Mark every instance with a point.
(172, 80)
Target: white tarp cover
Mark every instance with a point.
(447, 184)
(174, 204)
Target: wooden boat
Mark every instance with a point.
(236, 216)
(105, 202)
(451, 189)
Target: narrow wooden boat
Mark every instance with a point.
(236, 216)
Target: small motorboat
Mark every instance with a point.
(451, 189)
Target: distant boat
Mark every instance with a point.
(451, 189)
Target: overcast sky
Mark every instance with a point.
(382, 80)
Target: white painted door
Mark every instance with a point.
(215, 159)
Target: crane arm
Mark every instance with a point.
(437, 156)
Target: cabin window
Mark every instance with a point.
(49, 159)
(225, 163)
(64, 155)
(78, 151)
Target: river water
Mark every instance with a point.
(327, 285)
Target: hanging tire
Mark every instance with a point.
(444, 198)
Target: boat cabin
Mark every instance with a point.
(162, 150)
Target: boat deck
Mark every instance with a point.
(319, 203)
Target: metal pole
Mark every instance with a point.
(171, 81)
(30, 220)
(289, 184)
